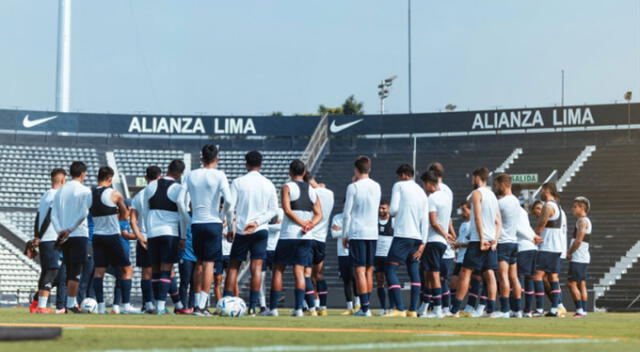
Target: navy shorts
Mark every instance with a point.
(108, 250)
(402, 250)
(527, 262)
(255, 243)
(345, 269)
(74, 250)
(362, 252)
(293, 252)
(549, 262)
(207, 241)
(560, 264)
(578, 271)
(508, 252)
(456, 269)
(268, 264)
(164, 249)
(475, 259)
(221, 265)
(143, 259)
(49, 255)
(445, 268)
(432, 256)
(317, 252)
(380, 264)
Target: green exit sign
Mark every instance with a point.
(524, 178)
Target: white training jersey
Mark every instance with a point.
(525, 233)
(137, 205)
(510, 214)
(290, 230)
(552, 237)
(320, 231)
(440, 202)
(565, 231)
(384, 242)
(70, 209)
(450, 252)
(44, 206)
(160, 222)
(206, 186)
(255, 200)
(409, 206)
(109, 224)
(361, 210)
(337, 234)
(582, 255)
(274, 231)
(490, 211)
(226, 246)
(464, 235)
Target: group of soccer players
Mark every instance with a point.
(208, 225)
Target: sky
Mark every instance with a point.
(254, 57)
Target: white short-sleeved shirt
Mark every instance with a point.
(552, 237)
(525, 233)
(320, 231)
(490, 210)
(582, 255)
(510, 213)
(361, 210)
(274, 231)
(109, 224)
(44, 205)
(137, 204)
(441, 203)
(206, 186)
(161, 222)
(464, 235)
(337, 234)
(384, 242)
(70, 209)
(290, 230)
(410, 209)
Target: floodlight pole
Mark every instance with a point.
(64, 56)
(409, 54)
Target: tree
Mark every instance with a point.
(331, 111)
(276, 113)
(350, 107)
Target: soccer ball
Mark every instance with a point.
(89, 305)
(231, 307)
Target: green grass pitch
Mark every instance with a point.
(598, 332)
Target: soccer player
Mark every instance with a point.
(119, 289)
(527, 251)
(548, 258)
(462, 241)
(275, 224)
(385, 237)
(360, 228)
(319, 234)
(508, 246)
(186, 267)
(69, 212)
(579, 255)
(481, 252)
(440, 206)
(409, 207)
(206, 186)
(302, 209)
(45, 240)
(345, 269)
(256, 203)
(143, 259)
(167, 218)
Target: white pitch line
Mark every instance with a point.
(369, 346)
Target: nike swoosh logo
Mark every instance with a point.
(337, 128)
(32, 123)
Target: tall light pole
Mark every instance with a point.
(384, 89)
(64, 56)
(409, 53)
(562, 89)
(627, 97)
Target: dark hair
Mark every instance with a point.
(253, 158)
(404, 169)
(77, 168)
(536, 202)
(209, 153)
(176, 166)
(297, 168)
(437, 168)
(363, 164)
(307, 177)
(104, 173)
(584, 201)
(464, 204)
(153, 172)
(57, 171)
(551, 187)
(384, 202)
(430, 177)
(481, 172)
(504, 179)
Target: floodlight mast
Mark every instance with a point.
(63, 65)
(384, 89)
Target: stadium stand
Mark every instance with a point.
(18, 274)
(133, 162)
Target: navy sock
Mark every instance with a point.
(452, 294)
(364, 302)
(583, 304)
(274, 298)
(165, 284)
(299, 297)
(504, 304)
(392, 301)
(382, 297)
(529, 292)
(98, 287)
(125, 287)
(555, 293)
(491, 306)
(226, 293)
(322, 292)
(517, 304)
(474, 290)
(394, 285)
(254, 298)
(539, 291)
(155, 285)
(309, 293)
(455, 305)
(436, 294)
(415, 296)
(146, 287)
(446, 294)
